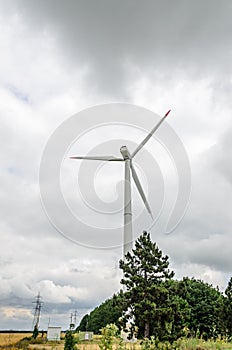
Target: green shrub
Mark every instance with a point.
(110, 337)
(69, 343)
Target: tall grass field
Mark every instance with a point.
(7, 339)
(10, 341)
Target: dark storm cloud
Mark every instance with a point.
(117, 40)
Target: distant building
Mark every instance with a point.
(85, 336)
(53, 333)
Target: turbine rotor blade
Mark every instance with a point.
(150, 134)
(140, 189)
(103, 158)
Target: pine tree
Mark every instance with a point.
(145, 271)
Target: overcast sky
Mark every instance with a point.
(58, 58)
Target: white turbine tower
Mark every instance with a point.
(129, 170)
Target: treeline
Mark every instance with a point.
(14, 331)
(108, 312)
(158, 305)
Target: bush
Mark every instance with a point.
(23, 343)
(110, 337)
(69, 343)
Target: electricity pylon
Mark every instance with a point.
(38, 305)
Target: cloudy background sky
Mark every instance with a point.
(60, 57)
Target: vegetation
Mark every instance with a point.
(145, 273)
(7, 339)
(110, 337)
(227, 310)
(206, 308)
(168, 309)
(69, 341)
(35, 332)
(115, 343)
(102, 315)
(161, 307)
(186, 344)
(26, 343)
(186, 314)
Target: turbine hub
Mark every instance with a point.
(125, 153)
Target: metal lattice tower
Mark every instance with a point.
(38, 305)
(75, 317)
(73, 320)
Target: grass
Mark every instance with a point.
(199, 344)
(8, 341)
(181, 344)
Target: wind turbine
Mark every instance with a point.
(129, 170)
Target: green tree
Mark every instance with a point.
(228, 290)
(108, 312)
(69, 343)
(83, 326)
(228, 309)
(145, 270)
(175, 324)
(206, 305)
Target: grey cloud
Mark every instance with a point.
(204, 236)
(108, 37)
(221, 156)
(62, 289)
(116, 43)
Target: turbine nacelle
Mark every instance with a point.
(125, 153)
